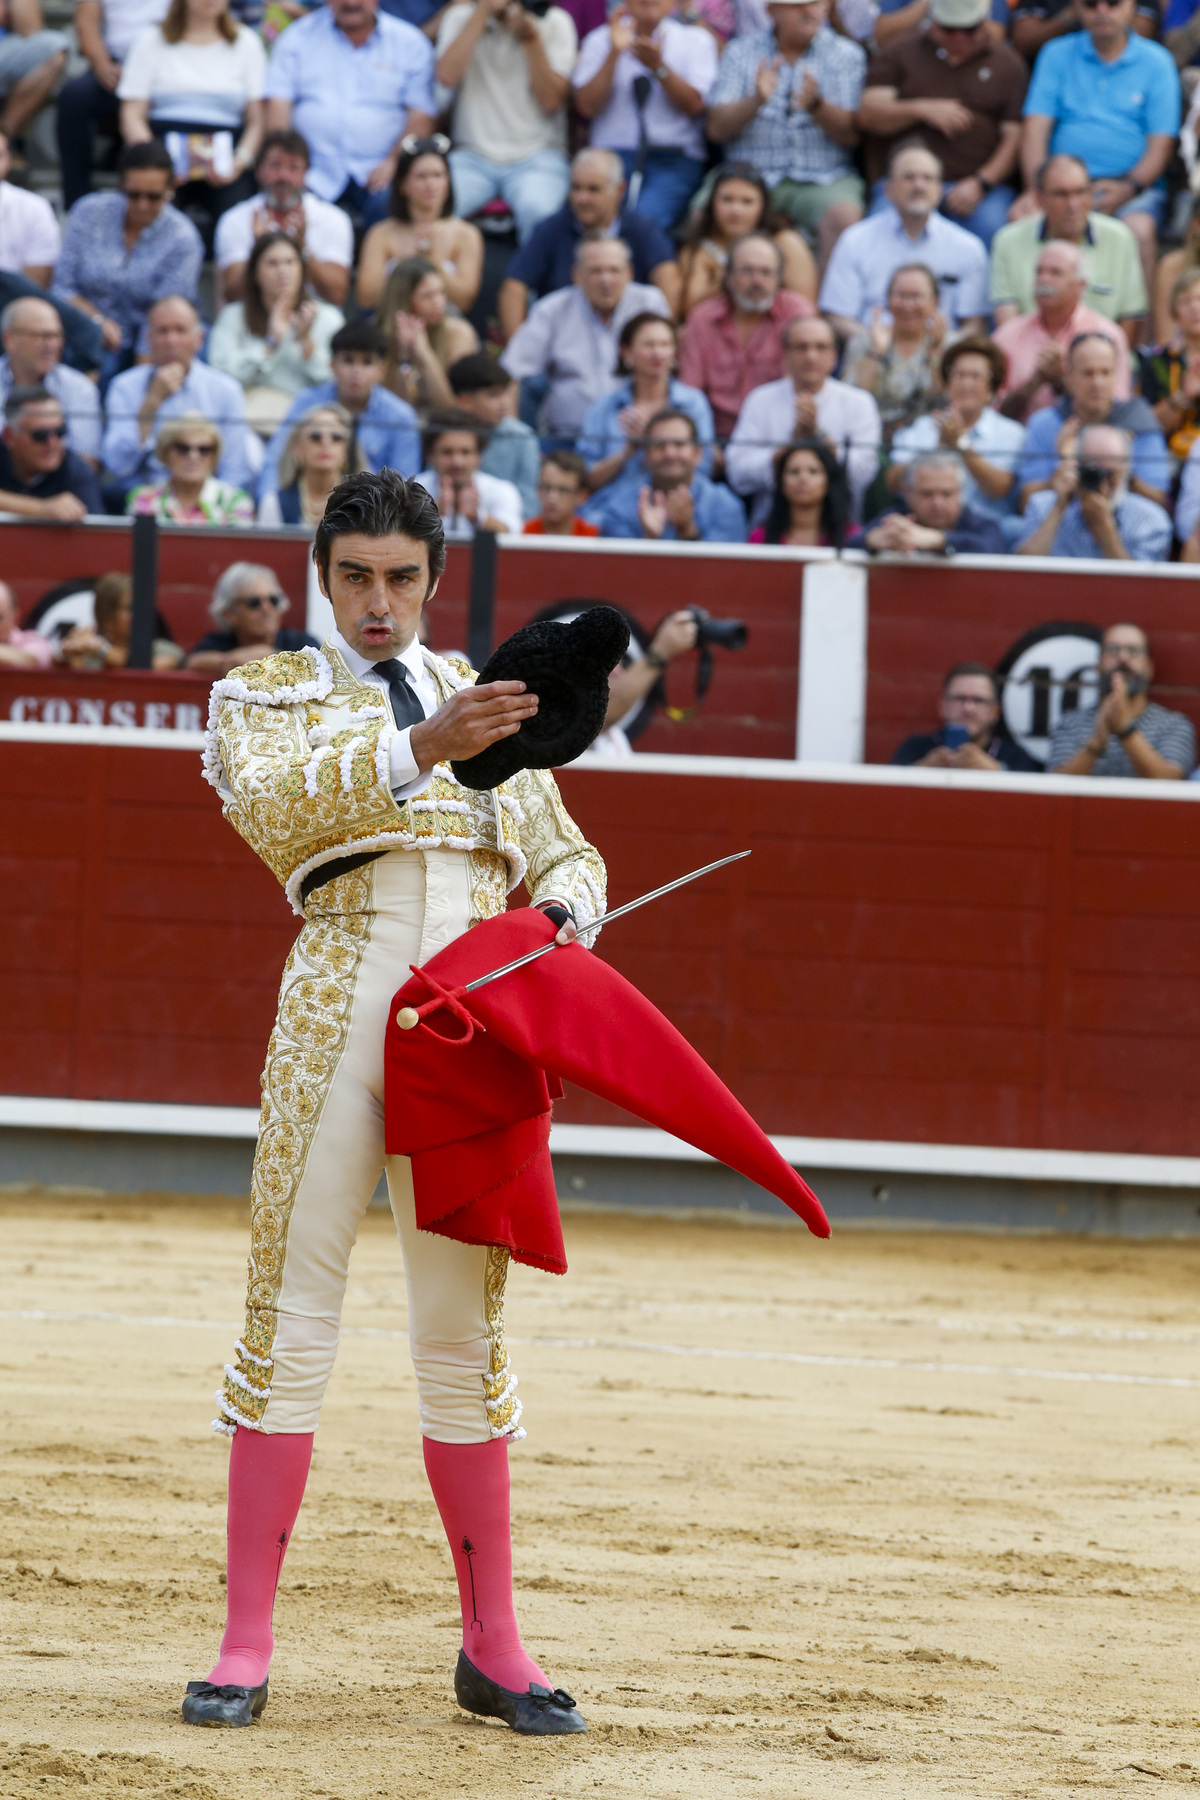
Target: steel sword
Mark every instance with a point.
(408, 1016)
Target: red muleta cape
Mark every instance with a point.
(471, 1107)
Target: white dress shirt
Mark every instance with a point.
(407, 779)
(846, 415)
(498, 499)
(867, 255)
(29, 233)
(328, 232)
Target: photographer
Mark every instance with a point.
(1088, 509)
(1126, 733)
(510, 66)
(630, 682)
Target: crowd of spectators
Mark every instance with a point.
(920, 276)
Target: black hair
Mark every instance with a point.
(359, 335)
(292, 143)
(410, 151)
(973, 668)
(381, 505)
(454, 419)
(631, 328)
(33, 394)
(835, 507)
(704, 223)
(476, 373)
(672, 412)
(153, 155)
(571, 463)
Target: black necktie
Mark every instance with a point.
(406, 708)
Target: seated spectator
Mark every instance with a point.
(785, 99)
(896, 360)
(322, 232)
(739, 202)
(571, 337)
(104, 644)
(1088, 509)
(933, 518)
(174, 381)
(615, 428)
(317, 456)
(1171, 373)
(354, 82)
(123, 251)
(105, 30)
(562, 489)
(1035, 343)
(509, 70)
(1089, 376)
(811, 502)
(663, 137)
(1115, 287)
(480, 386)
(1036, 22)
(20, 649)
(423, 338)
(545, 262)
(31, 61)
(733, 343)
(989, 444)
(188, 448)
(385, 428)
(247, 608)
(421, 222)
(39, 477)
(1107, 96)
(1170, 268)
(32, 335)
(1125, 733)
(958, 91)
(467, 499)
(677, 500)
(196, 82)
(968, 737)
(30, 240)
(806, 402)
(908, 229)
(276, 341)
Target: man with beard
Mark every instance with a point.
(322, 232)
(1127, 733)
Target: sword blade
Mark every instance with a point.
(629, 906)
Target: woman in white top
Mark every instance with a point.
(421, 222)
(276, 340)
(196, 81)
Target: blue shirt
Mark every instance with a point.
(350, 103)
(602, 435)
(867, 255)
(513, 454)
(165, 260)
(1144, 527)
(1150, 460)
(545, 262)
(720, 515)
(1103, 111)
(388, 434)
(220, 398)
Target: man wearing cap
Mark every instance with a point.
(956, 90)
(786, 100)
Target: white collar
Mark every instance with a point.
(411, 656)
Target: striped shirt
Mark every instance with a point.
(785, 141)
(1170, 733)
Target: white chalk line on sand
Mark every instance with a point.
(792, 1358)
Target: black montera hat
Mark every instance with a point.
(567, 666)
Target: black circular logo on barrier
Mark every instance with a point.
(1051, 670)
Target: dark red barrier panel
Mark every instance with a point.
(894, 962)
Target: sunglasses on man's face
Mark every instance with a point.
(256, 602)
(1108, 5)
(44, 433)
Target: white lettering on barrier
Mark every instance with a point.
(62, 709)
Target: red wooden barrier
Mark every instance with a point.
(962, 965)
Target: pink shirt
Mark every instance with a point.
(34, 644)
(1022, 340)
(712, 356)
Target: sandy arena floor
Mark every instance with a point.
(897, 1516)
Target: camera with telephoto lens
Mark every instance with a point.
(725, 634)
(1091, 477)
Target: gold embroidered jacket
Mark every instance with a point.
(299, 750)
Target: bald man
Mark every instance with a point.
(1088, 510)
(32, 335)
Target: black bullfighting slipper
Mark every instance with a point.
(206, 1704)
(539, 1712)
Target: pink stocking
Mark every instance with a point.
(266, 1485)
(470, 1486)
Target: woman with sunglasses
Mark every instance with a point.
(190, 446)
(421, 222)
(316, 457)
(424, 341)
(247, 610)
(739, 202)
(276, 340)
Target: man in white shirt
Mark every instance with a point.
(32, 335)
(509, 72)
(105, 30)
(570, 338)
(467, 499)
(806, 402)
(322, 232)
(681, 64)
(29, 236)
(910, 229)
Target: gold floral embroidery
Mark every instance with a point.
(499, 1384)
